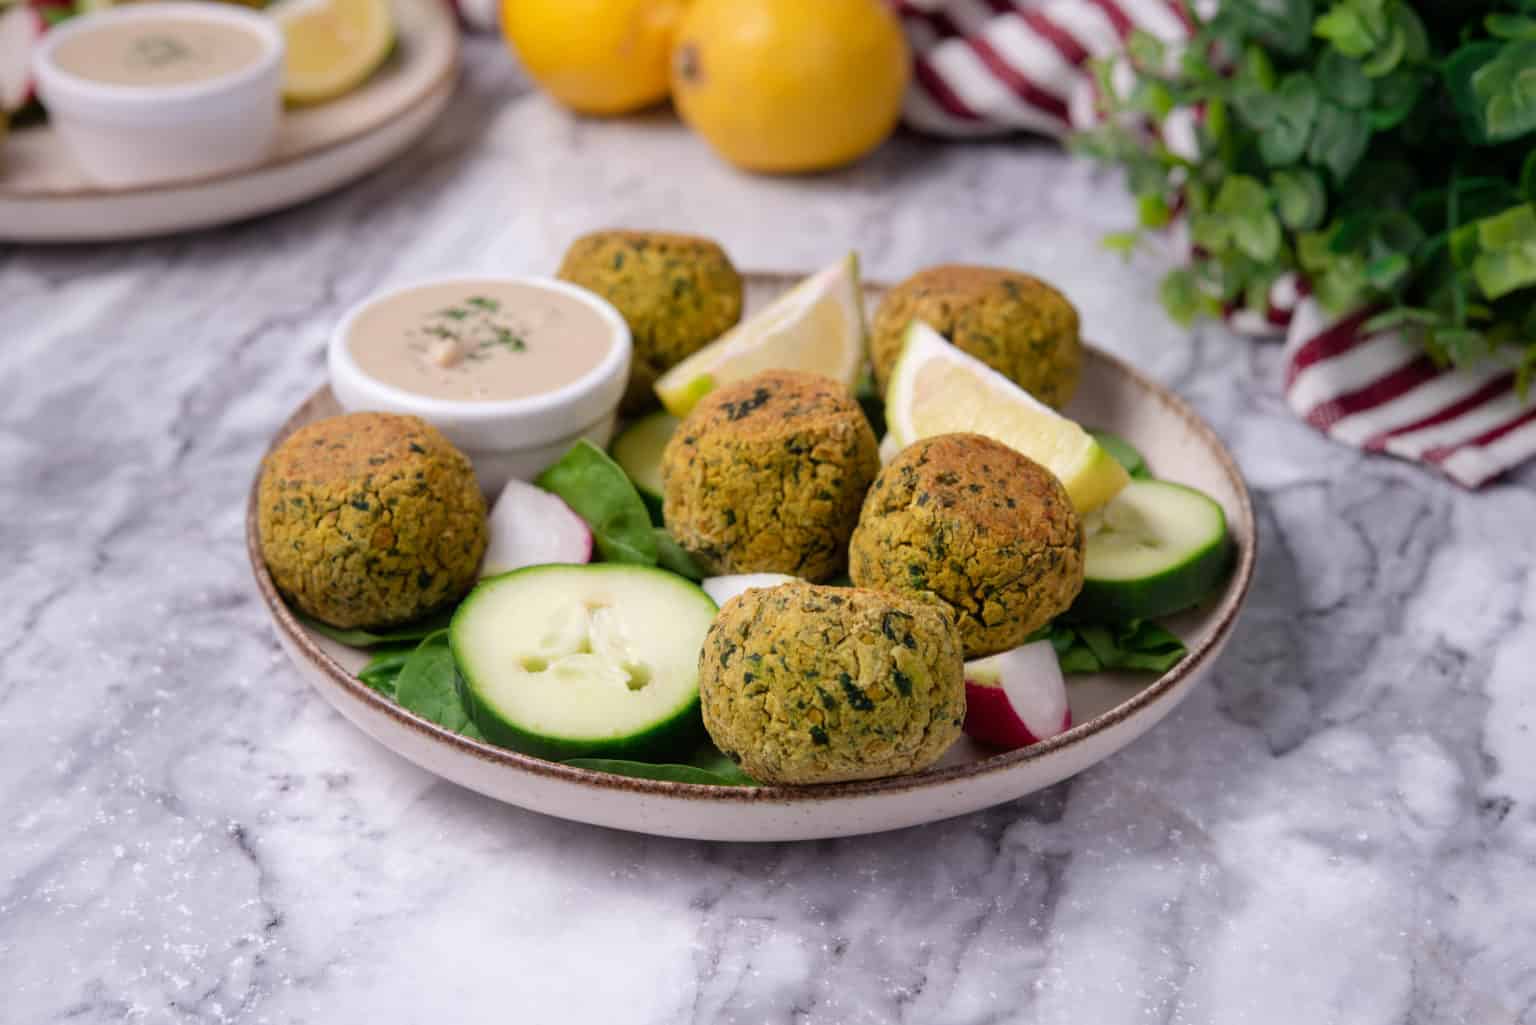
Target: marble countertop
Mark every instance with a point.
(1340, 828)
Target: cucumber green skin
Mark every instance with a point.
(667, 741)
(672, 739)
(1161, 594)
(1123, 452)
(626, 451)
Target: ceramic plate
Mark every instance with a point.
(45, 198)
(1110, 709)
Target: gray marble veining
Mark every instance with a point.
(1340, 829)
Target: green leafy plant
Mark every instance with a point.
(1384, 150)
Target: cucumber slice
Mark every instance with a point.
(1124, 453)
(597, 661)
(1155, 549)
(638, 450)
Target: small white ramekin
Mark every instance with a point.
(507, 438)
(127, 135)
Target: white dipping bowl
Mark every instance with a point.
(504, 438)
(128, 135)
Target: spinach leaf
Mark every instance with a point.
(651, 770)
(373, 638)
(601, 493)
(707, 766)
(428, 684)
(673, 556)
(1086, 648)
(383, 669)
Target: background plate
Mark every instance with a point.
(45, 198)
(1110, 709)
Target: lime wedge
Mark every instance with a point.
(816, 326)
(937, 389)
(333, 46)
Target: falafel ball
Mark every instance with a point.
(808, 684)
(678, 293)
(987, 529)
(370, 519)
(767, 475)
(1016, 324)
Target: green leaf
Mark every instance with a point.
(601, 493)
(357, 638)
(1514, 228)
(1122, 242)
(1243, 203)
(1145, 49)
(1342, 80)
(1387, 271)
(731, 776)
(1511, 26)
(1138, 645)
(1339, 140)
(428, 684)
(1296, 105)
(672, 556)
(1386, 58)
(1506, 89)
(1300, 198)
(1506, 258)
(1528, 177)
(1458, 72)
(1350, 28)
(1395, 97)
(1180, 295)
(383, 669)
(1152, 210)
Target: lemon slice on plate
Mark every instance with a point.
(817, 326)
(937, 389)
(333, 45)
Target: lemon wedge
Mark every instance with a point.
(333, 46)
(816, 326)
(937, 389)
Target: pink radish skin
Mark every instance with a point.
(531, 527)
(20, 29)
(1017, 698)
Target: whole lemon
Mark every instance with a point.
(790, 85)
(595, 56)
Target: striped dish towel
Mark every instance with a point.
(986, 67)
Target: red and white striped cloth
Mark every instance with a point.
(984, 67)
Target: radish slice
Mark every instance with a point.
(1016, 698)
(531, 527)
(723, 589)
(20, 29)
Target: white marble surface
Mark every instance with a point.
(1342, 829)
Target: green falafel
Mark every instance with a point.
(987, 529)
(807, 684)
(678, 293)
(370, 519)
(767, 475)
(1016, 324)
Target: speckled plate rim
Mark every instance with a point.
(1225, 616)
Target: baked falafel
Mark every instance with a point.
(767, 475)
(1015, 323)
(985, 528)
(370, 519)
(808, 684)
(678, 293)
